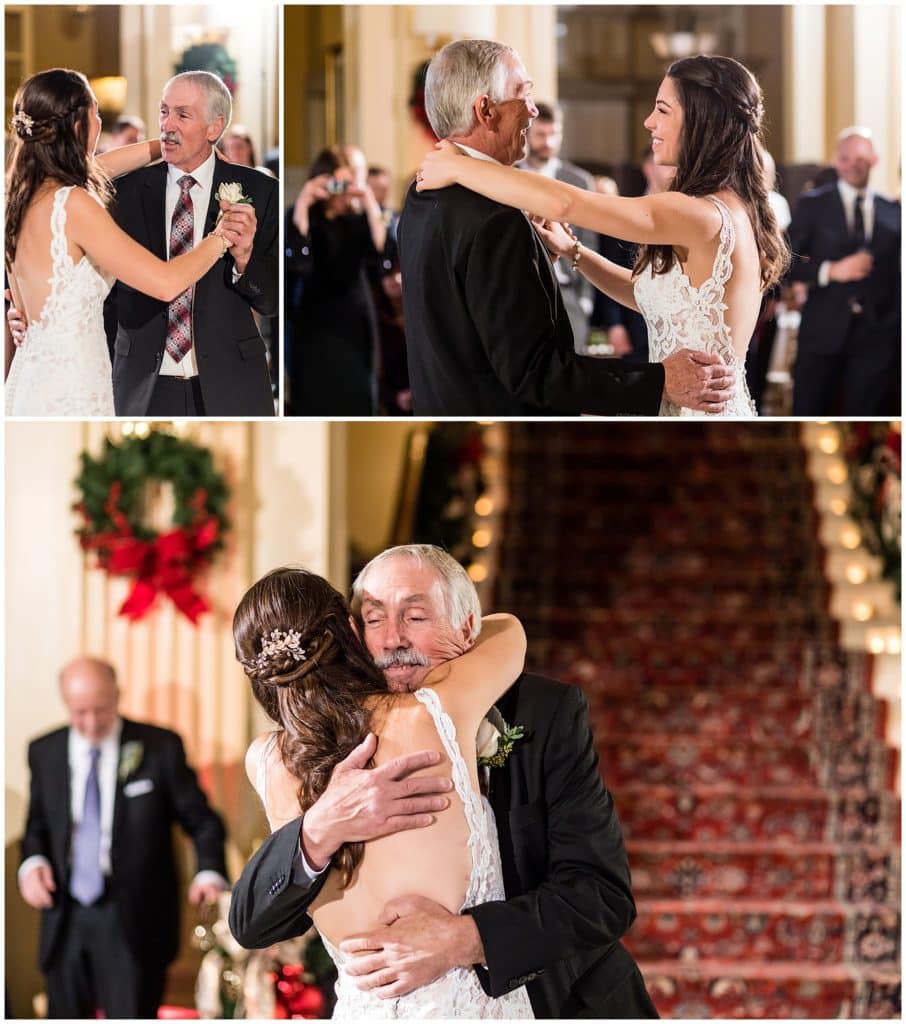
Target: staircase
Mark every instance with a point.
(672, 571)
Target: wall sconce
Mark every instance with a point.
(111, 95)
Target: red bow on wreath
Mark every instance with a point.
(165, 564)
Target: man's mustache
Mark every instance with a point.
(402, 657)
(170, 137)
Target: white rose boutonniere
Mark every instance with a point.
(495, 746)
(231, 192)
(131, 755)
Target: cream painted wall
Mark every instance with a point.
(376, 459)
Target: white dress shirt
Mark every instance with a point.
(848, 197)
(201, 199)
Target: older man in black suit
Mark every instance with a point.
(98, 851)
(845, 240)
(202, 354)
(569, 898)
(487, 331)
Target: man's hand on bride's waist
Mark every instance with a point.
(418, 942)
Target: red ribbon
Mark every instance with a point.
(165, 565)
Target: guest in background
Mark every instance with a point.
(545, 140)
(334, 231)
(758, 357)
(127, 130)
(238, 148)
(846, 247)
(394, 395)
(98, 851)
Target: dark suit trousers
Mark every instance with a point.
(94, 969)
(176, 396)
(854, 381)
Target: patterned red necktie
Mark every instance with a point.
(182, 239)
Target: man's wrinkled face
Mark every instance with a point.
(186, 137)
(515, 114)
(406, 624)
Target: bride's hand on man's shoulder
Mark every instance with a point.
(558, 239)
(438, 169)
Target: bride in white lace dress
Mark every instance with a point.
(63, 250)
(316, 680)
(709, 247)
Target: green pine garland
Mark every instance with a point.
(131, 463)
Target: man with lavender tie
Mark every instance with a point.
(98, 851)
(202, 354)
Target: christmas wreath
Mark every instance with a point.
(213, 57)
(113, 505)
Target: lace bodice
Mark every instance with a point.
(679, 315)
(458, 993)
(63, 366)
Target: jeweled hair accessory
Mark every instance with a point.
(23, 123)
(280, 642)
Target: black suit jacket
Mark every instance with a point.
(232, 358)
(143, 881)
(819, 232)
(486, 330)
(566, 875)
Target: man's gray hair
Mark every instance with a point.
(858, 131)
(460, 595)
(217, 95)
(457, 76)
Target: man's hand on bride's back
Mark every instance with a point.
(697, 380)
(418, 942)
(16, 320)
(362, 803)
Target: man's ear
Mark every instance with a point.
(215, 129)
(485, 112)
(468, 630)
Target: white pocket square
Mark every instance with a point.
(138, 787)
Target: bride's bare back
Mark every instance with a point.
(30, 275)
(742, 292)
(434, 862)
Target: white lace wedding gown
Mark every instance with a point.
(679, 315)
(63, 366)
(458, 993)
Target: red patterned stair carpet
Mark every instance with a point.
(673, 572)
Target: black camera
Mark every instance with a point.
(336, 186)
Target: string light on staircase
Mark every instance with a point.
(856, 573)
(875, 642)
(478, 572)
(484, 506)
(863, 611)
(838, 506)
(481, 538)
(850, 537)
(836, 472)
(829, 442)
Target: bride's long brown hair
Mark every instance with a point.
(319, 701)
(50, 130)
(720, 148)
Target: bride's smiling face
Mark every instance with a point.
(665, 123)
